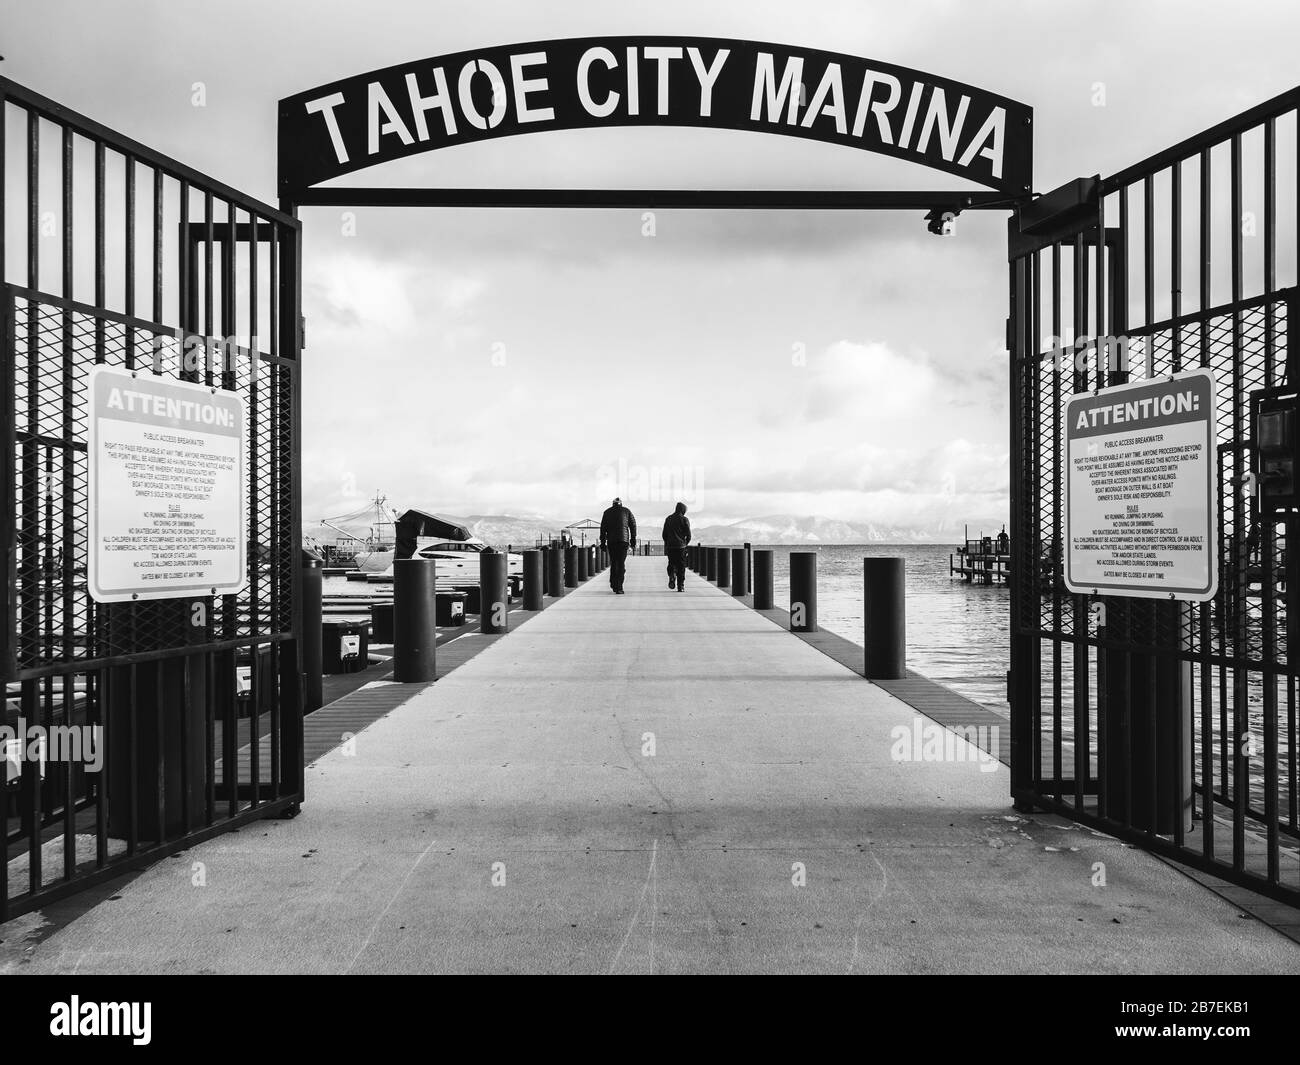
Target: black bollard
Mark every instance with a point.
(749, 563)
(739, 574)
(493, 594)
(710, 563)
(312, 694)
(764, 596)
(884, 619)
(554, 572)
(533, 574)
(582, 564)
(724, 567)
(803, 591)
(570, 567)
(415, 632)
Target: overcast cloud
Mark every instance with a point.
(849, 365)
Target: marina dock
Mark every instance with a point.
(650, 783)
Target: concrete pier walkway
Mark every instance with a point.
(652, 783)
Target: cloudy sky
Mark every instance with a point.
(493, 361)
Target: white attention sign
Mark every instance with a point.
(167, 496)
(1140, 506)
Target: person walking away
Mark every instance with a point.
(617, 535)
(677, 537)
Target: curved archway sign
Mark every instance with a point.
(589, 82)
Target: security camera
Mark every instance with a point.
(941, 223)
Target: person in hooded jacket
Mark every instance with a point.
(677, 537)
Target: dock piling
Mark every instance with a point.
(533, 580)
(764, 596)
(724, 567)
(554, 572)
(313, 694)
(571, 567)
(884, 619)
(494, 599)
(415, 631)
(739, 572)
(803, 591)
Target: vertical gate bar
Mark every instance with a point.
(133, 759)
(210, 738)
(183, 717)
(290, 349)
(69, 799)
(1030, 588)
(1215, 609)
(254, 365)
(1058, 533)
(274, 546)
(254, 724)
(128, 266)
(101, 295)
(1103, 295)
(229, 302)
(1240, 650)
(160, 759)
(101, 778)
(158, 201)
(33, 201)
(187, 296)
(1187, 624)
(1021, 392)
(230, 736)
(1176, 261)
(31, 787)
(1150, 635)
(65, 180)
(1079, 322)
(208, 284)
(1268, 529)
(1124, 611)
(273, 738)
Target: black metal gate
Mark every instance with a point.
(132, 260)
(1170, 723)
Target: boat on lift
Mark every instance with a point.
(444, 540)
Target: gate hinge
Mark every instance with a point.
(302, 332)
(1011, 340)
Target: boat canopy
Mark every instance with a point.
(415, 523)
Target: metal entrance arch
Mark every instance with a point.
(1166, 722)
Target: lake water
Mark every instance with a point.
(957, 633)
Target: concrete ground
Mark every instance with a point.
(652, 783)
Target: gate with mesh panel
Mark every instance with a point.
(1168, 720)
(137, 726)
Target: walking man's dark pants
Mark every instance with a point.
(617, 563)
(676, 565)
